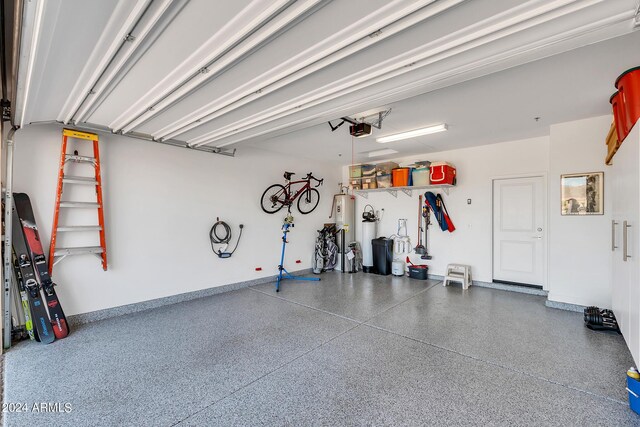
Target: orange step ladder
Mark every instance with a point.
(57, 254)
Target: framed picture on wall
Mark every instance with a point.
(582, 193)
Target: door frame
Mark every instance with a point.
(545, 216)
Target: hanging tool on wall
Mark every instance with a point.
(436, 204)
(223, 239)
(420, 249)
(426, 214)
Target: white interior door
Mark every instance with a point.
(519, 230)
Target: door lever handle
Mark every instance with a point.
(536, 237)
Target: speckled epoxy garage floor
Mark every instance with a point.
(349, 350)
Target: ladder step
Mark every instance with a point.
(78, 251)
(79, 205)
(79, 180)
(79, 228)
(79, 159)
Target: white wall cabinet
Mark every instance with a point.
(625, 239)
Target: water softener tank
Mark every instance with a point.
(368, 234)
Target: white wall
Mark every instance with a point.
(160, 203)
(476, 167)
(580, 257)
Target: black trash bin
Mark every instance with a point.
(382, 255)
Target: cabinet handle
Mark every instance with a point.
(625, 238)
(613, 235)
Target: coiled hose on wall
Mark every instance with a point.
(223, 238)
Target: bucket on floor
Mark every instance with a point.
(628, 85)
(418, 272)
(619, 116)
(633, 387)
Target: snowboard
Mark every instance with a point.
(32, 238)
(27, 280)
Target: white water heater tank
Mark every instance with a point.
(345, 214)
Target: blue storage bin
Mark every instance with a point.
(633, 387)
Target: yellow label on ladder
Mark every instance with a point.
(81, 135)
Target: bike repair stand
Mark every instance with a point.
(282, 272)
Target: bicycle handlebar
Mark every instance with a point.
(320, 181)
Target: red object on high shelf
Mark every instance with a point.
(619, 116)
(628, 85)
(442, 173)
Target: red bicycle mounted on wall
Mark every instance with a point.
(278, 196)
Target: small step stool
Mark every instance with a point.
(458, 273)
(57, 254)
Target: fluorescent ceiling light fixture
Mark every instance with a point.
(382, 152)
(413, 133)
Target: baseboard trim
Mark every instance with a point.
(511, 288)
(107, 313)
(565, 306)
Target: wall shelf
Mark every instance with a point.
(406, 190)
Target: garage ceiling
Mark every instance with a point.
(500, 107)
(220, 74)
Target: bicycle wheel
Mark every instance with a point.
(273, 198)
(308, 201)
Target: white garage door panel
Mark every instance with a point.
(198, 21)
(326, 22)
(62, 53)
